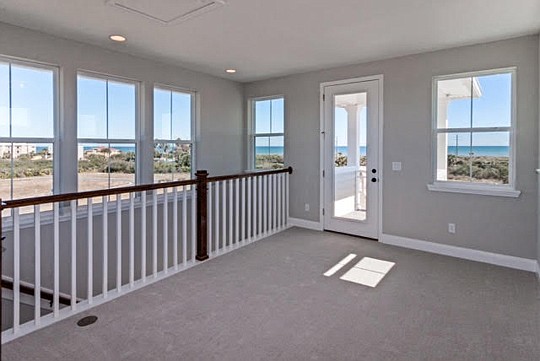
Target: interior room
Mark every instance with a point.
(270, 180)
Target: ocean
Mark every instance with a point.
(492, 151)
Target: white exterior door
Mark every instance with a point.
(351, 174)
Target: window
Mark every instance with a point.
(267, 129)
(173, 134)
(28, 98)
(473, 129)
(107, 121)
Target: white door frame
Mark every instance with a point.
(380, 79)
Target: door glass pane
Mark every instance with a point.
(350, 156)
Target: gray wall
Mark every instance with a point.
(220, 146)
(494, 224)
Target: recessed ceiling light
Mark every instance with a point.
(231, 71)
(118, 38)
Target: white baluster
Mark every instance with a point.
(224, 208)
(37, 265)
(193, 222)
(73, 208)
(143, 236)
(260, 210)
(271, 203)
(118, 243)
(90, 252)
(210, 219)
(231, 212)
(105, 236)
(17, 270)
(131, 240)
(165, 230)
(56, 246)
(175, 228)
(274, 202)
(237, 210)
(154, 232)
(184, 225)
(249, 216)
(287, 198)
(243, 217)
(216, 240)
(265, 205)
(278, 202)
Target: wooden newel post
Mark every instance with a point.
(202, 215)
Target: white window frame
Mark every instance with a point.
(503, 190)
(252, 136)
(56, 113)
(194, 124)
(138, 125)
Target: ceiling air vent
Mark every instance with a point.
(167, 12)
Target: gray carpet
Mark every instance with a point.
(269, 301)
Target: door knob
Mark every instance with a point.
(374, 171)
(373, 179)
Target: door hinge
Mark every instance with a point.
(323, 211)
(324, 96)
(323, 173)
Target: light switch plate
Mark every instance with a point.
(396, 166)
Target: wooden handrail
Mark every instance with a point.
(91, 194)
(29, 289)
(249, 174)
(23, 202)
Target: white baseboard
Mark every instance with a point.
(519, 263)
(302, 223)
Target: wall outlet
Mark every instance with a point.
(396, 166)
(451, 228)
(306, 207)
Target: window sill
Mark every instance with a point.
(496, 191)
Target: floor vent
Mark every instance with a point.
(86, 321)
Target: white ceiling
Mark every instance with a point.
(268, 38)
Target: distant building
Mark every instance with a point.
(18, 149)
(101, 151)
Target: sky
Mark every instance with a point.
(109, 107)
(493, 108)
(269, 118)
(32, 100)
(105, 108)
